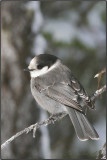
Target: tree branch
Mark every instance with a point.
(34, 127)
(98, 92)
(102, 153)
(50, 120)
(99, 76)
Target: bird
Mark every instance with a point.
(57, 90)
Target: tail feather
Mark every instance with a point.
(83, 128)
(89, 128)
(78, 125)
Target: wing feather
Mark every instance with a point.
(64, 88)
(63, 94)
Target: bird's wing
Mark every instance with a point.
(64, 93)
(65, 89)
(82, 94)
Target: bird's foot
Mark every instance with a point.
(55, 117)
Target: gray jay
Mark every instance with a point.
(56, 90)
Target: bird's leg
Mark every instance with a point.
(55, 117)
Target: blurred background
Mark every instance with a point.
(76, 33)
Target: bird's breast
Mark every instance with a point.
(45, 102)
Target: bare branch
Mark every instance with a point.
(100, 73)
(102, 153)
(98, 92)
(34, 127)
(99, 76)
(50, 120)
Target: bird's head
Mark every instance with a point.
(42, 64)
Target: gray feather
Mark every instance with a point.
(78, 125)
(83, 128)
(89, 128)
(59, 91)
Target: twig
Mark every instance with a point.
(33, 127)
(101, 72)
(102, 153)
(99, 76)
(98, 92)
(50, 120)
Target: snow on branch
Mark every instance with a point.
(48, 121)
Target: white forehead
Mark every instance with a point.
(33, 62)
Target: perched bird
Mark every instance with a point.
(56, 90)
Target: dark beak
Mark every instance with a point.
(27, 69)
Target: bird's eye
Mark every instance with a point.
(39, 66)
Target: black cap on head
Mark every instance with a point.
(46, 60)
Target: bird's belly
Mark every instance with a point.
(47, 103)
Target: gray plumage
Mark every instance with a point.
(58, 90)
